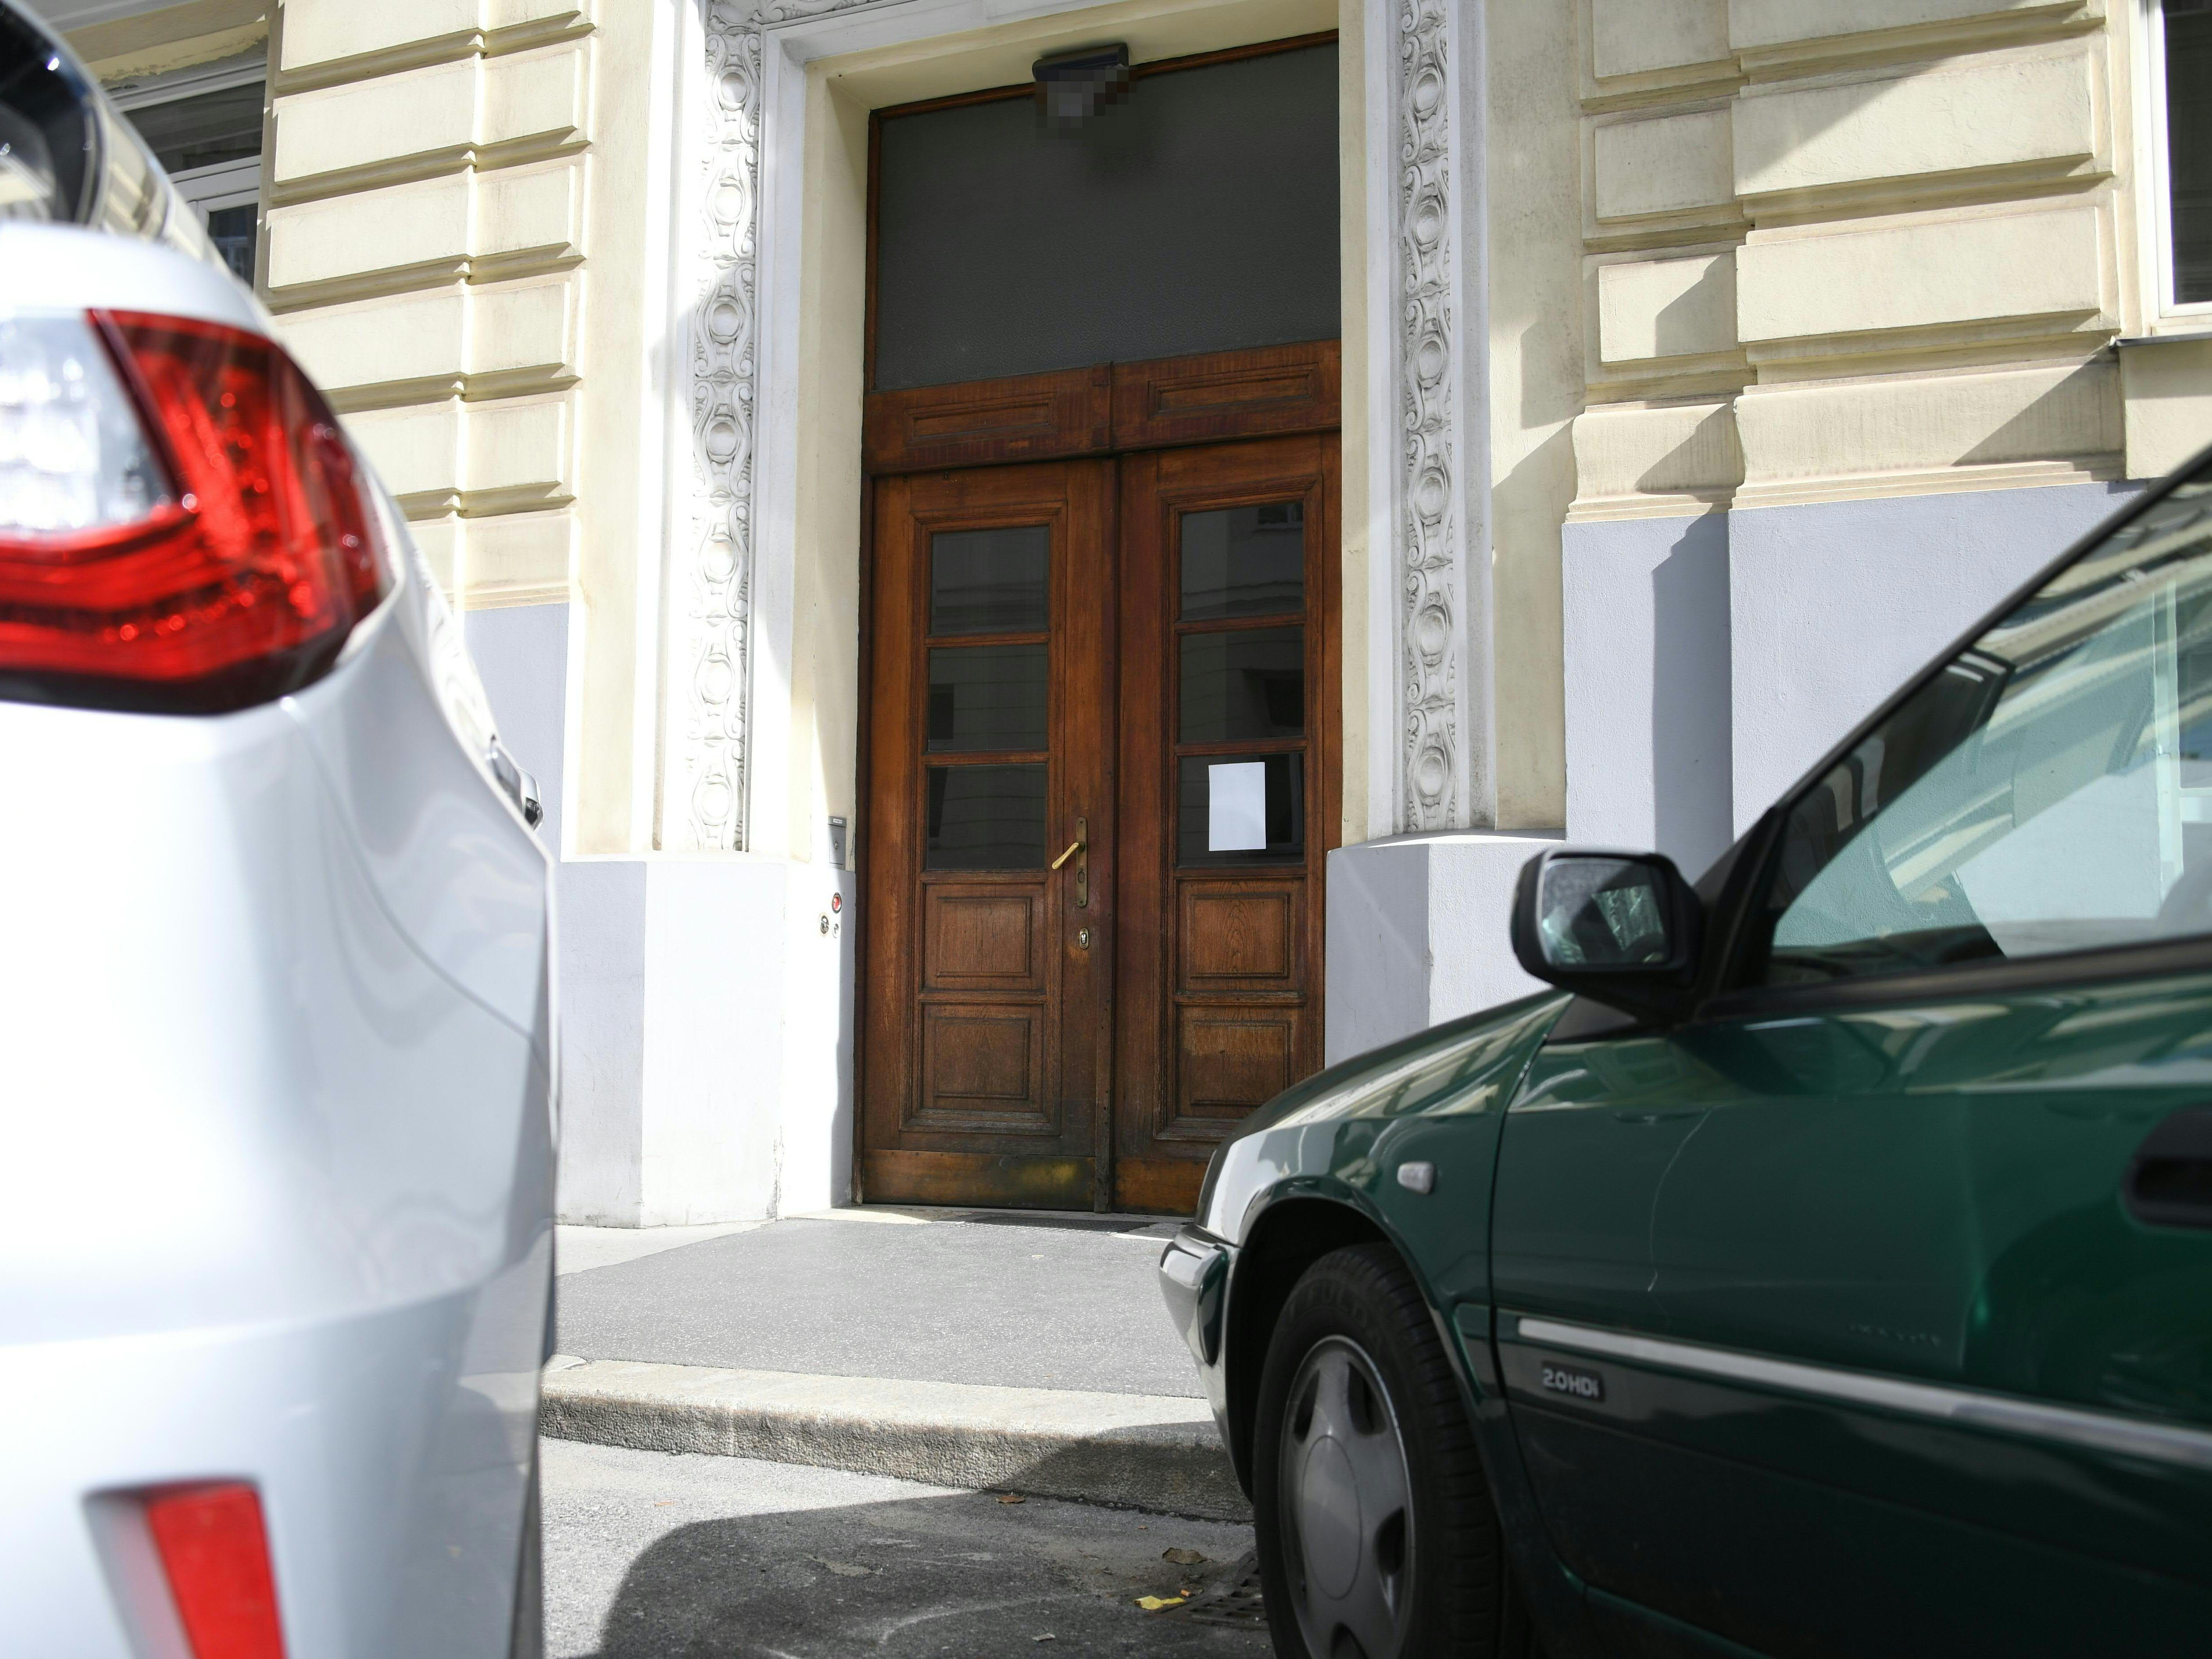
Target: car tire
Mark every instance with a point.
(1362, 1453)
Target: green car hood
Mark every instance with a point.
(1341, 1131)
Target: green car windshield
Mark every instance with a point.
(2049, 790)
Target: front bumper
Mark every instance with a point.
(1194, 1275)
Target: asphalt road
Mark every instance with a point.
(1025, 1301)
(650, 1555)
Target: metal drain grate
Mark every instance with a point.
(1233, 1599)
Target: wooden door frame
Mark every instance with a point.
(1104, 411)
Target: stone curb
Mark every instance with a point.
(1134, 1452)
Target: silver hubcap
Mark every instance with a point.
(1347, 1506)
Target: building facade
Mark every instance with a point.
(1687, 371)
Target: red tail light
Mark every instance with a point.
(182, 526)
(215, 1553)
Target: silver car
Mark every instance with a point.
(276, 1018)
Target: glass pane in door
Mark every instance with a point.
(1248, 684)
(986, 697)
(986, 817)
(1244, 562)
(989, 581)
(1241, 808)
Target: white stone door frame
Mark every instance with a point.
(737, 338)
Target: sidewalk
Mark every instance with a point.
(1024, 1351)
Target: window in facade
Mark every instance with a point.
(205, 130)
(2181, 74)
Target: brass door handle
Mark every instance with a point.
(1077, 850)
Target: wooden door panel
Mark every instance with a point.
(1241, 938)
(1208, 398)
(983, 1068)
(979, 939)
(1231, 1058)
(1218, 969)
(987, 423)
(986, 1063)
(1227, 394)
(1029, 1033)
(1018, 1181)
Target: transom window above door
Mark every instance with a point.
(1199, 213)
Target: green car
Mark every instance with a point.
(1825, 1267)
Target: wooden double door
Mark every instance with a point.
(1102, 782)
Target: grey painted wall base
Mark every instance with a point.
(1711, 660)
(705, 1003)
(521, 654)
(705, 1040)
(1645, 614)
(1417, 933)
(1833, 605)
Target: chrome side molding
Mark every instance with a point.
(2099, 1430)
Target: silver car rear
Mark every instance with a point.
(275, 1042)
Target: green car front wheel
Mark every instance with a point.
(1376, 1531)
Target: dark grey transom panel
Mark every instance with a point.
(1197, 215)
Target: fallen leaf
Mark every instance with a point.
(1012, 1497)
(1160, 1603)
(1183, 1557)
(849, 1569)
(1047, 1636)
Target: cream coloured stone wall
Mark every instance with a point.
(426, 246)
(1537, 347)
(1839, 248)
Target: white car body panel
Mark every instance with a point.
(275, 1068)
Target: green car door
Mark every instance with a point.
(1869, 1309)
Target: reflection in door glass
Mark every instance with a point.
(1247, 824)
(1248, 684)
(1244, 560)
(986, 817)
(989, 581)
(986, 697)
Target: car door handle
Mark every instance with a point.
(2169, 1180)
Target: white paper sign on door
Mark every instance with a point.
(1237, 807)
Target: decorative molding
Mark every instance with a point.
(710, 625)
(1432, 765)
(705, 766)
(787, 11)
(707, 749)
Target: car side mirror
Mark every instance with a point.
(1620, 928)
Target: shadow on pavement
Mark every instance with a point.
(958, 1574)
